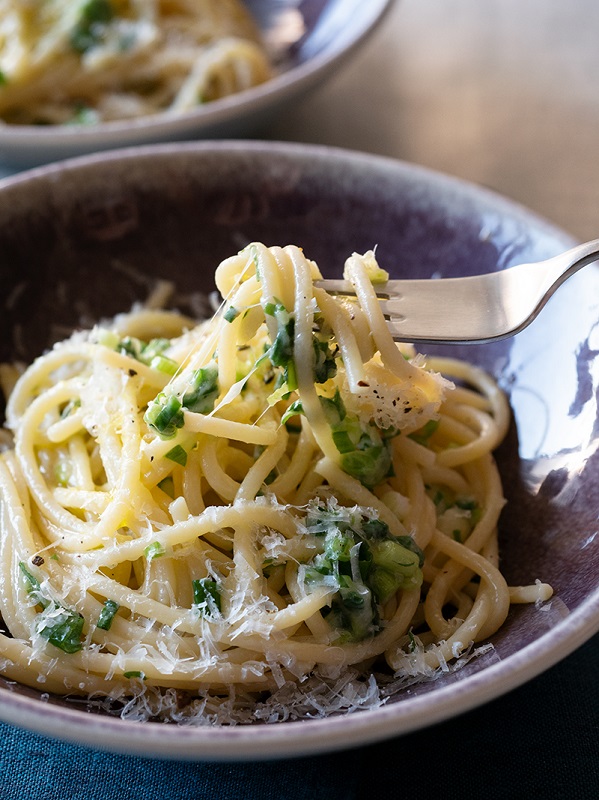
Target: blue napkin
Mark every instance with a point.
(540, 740)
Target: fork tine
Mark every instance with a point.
(445, 310)
(472, 309)
(413, 308)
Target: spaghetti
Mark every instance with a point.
(230, 507)
(89, 61)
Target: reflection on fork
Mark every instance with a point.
(473, 309)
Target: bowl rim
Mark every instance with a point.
(305, 737)
(255, 99)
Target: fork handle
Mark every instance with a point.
(560, 267)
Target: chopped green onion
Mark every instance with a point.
(342, 442)
(33, 586)
(207, 594)
(167, 485)
(410, 544)
(291, 376)
(376, 529)
(378, 275)
(384, 584)
(70, 407)
(338, 546)
(281, 352)
(354, 611)
(134, 673)
(108, 338)
(325, 366)
(164, 364)
(107, 613)
(88, 32)
(62, 628)
(204, 391)
(362, 563)
(84, 115)
(442, 498)
(154, 550)
(231, 314)
(295, 408)
(130, 346)
(281, 393)
(422, 435)
(155, 347)
(151, 353)
(466, 503)
(394, 567)
(334, 409)
(352, 594)
(177, 454)
(164, 415)
(369, 466)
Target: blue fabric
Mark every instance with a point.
(540, 740)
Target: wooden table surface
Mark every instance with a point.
(504, 93)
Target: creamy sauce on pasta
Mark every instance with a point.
(234, 506)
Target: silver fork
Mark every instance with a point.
(472, 309)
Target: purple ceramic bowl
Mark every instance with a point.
(83, 239)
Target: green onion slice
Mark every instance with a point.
(107, 614)
(177, 454)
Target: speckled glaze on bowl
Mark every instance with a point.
(310, 40)
(86, 238)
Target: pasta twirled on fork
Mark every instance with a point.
(277, 490)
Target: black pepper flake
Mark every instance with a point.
(37, 561)
(132, 373)
(363, 383)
